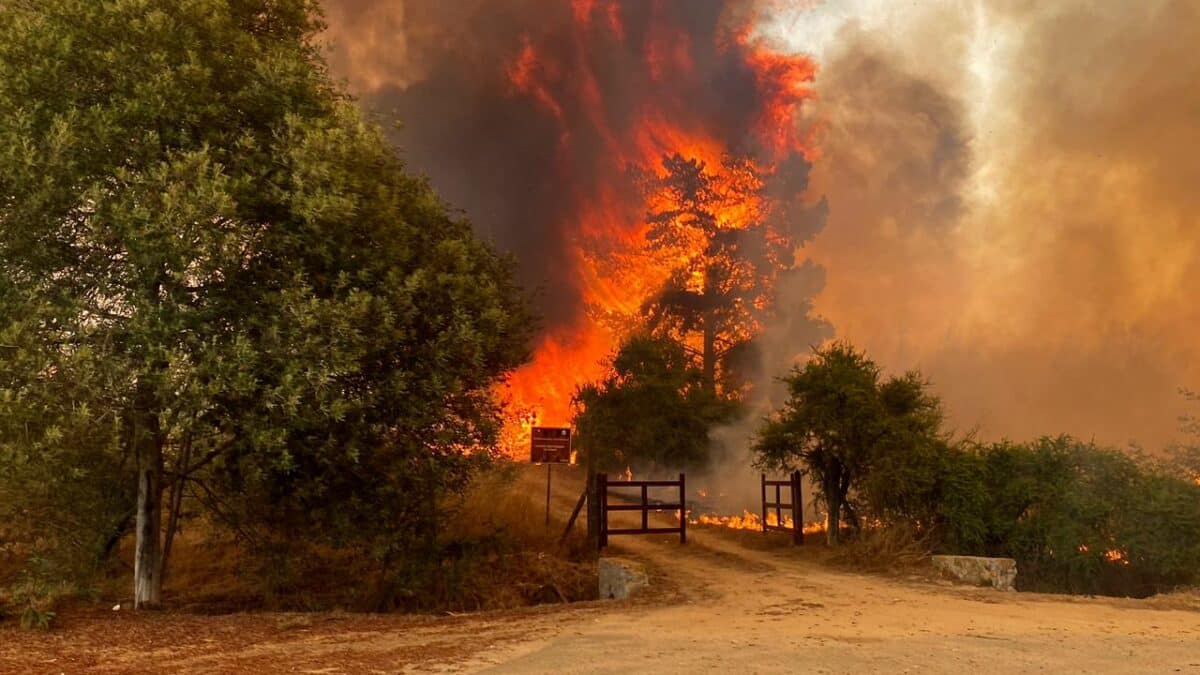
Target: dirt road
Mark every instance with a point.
(749, 611)
(724, 608)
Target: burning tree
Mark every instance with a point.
(717, 224)
(530, 124)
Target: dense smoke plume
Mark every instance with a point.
(1011, 185)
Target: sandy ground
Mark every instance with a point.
(718, 606)
(747, 611)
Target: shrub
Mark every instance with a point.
(36, 595)
(1076, 517)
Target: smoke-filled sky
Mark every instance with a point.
(1013, 187)
(1014, 204)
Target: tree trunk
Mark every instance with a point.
(833, 504)
(710, 351)
(147, 562)
(147, 565)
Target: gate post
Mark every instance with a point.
(763, 485)
(797, 510)
(682, 511)
(602, 493)
(593, 512)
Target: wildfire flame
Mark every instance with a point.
(660, 119)
(750, 521)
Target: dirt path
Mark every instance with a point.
(744, 610)
(724, 608)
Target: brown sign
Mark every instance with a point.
(550, 445)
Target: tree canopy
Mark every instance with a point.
(652, 412)
(841, 417)
(218, 277)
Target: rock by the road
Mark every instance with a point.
(999, 573)
(621, 579)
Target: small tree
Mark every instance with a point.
(839, 419)
(652, 412)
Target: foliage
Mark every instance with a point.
(1081, 518)
(848, 428)
(215, 270)
(653, 412)
(36, 595)
(1076, 517)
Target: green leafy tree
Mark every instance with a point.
(651, 413)
(839, 419)
(218, 279)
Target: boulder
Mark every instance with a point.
(621, 579)
(999, 573)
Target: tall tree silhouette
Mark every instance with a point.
(718, 224)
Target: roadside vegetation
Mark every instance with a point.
(1077, 517)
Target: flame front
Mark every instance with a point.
(751, 521)
(658, 107)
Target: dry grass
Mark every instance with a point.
(892, 548)
(498, 554)
(504, 512)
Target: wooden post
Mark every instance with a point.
(778, 508)
(797, 510)
(682, 511)
(763, 485)
(602, 493)
(593, 507)
(645, 508)
(548, 467)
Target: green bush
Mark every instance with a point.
(37, 593)
(1077, 517)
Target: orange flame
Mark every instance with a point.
(751, 521)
